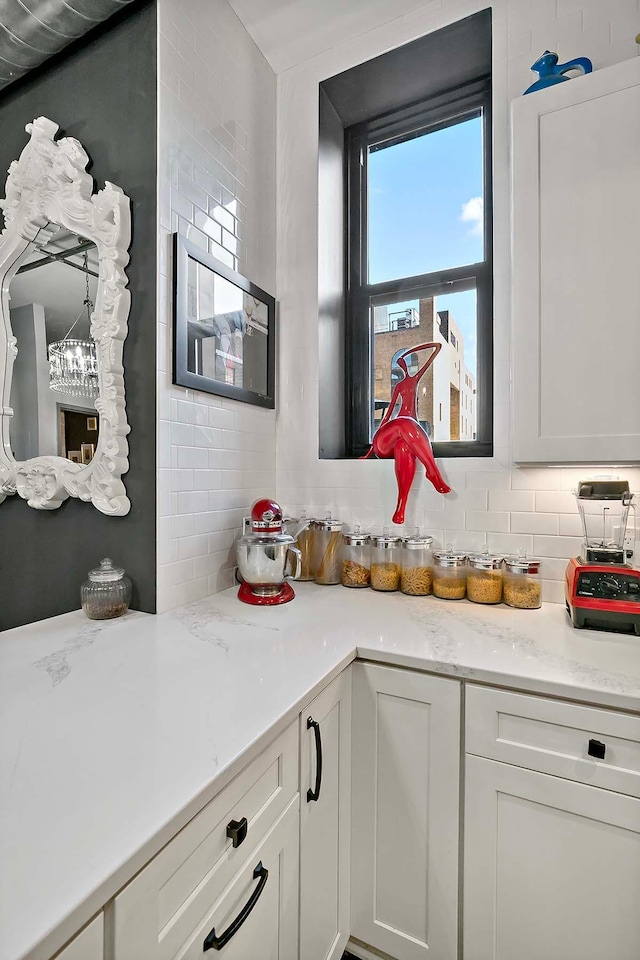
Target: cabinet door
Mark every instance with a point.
(87, 945)
(325, 822)
(256, 915)
(405, 812)
(576, 250)
(157, 912)
(552, 868)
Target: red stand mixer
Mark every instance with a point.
(267, 557)
(602, 588)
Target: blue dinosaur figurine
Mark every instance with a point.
(551, 72)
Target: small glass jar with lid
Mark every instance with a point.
(356, 558)
(449, 574)
(327, 543)
(484, 578)
(416, 577)
(385, 561)
(107, 592)
(522, 585)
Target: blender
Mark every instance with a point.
(602, 587)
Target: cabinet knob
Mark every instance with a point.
(237, 831)
(597, 749)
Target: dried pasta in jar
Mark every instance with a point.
(385, 576)
(416, 581)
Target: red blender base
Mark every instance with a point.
(284, 595)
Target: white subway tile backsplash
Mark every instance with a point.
(510, 543)
(512, 500)
(561, 501)
(553, 591)
(487, 520)
(546, 523)
(192, 457)
(560, 547)
(193, 547)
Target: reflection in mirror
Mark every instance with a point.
(55, 374)
(227, 331)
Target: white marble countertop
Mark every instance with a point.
(113, 735)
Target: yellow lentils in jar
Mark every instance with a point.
(522, 587)
(449, 575)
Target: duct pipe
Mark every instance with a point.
(31, 31)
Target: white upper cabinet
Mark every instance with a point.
(576, 260)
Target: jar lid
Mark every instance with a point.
(106, 572)
(385, 541)
(354, 539)
(328, 524)
(485, 561)
(416, 543)
(450, 558)
(522, 565)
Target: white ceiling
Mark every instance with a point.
(58, 288)
(290, 31)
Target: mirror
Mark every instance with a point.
(65, 308)
(55, 373)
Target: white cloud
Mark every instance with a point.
(472, 212)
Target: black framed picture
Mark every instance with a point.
(223, 330)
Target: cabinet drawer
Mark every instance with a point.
(159, 909)
(555, 737)
(270, 927)
(87, 945)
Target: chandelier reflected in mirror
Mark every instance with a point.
(73, 364)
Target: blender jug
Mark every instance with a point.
(604, 507)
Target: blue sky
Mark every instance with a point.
(425, 209)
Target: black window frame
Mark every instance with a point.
(436, 112)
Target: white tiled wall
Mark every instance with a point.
(216, 182)
(493, 502)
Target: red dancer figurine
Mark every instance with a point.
(400, 436)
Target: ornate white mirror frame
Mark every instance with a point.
(47, 188)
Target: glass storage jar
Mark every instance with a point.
(484, 578)
(305, 545)
(106, 593)
(385, 562)
(356, 558)
(449, 574)
(522, 584)
(416, 577)
(327, 541)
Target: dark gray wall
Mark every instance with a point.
(102, 91)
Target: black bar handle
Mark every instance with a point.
(315, 794)
(597, 749)
(212, 942)
(237, 831)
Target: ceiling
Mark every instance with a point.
(290, 31)
(59, 288)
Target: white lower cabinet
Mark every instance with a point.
(405, 813)
(238, 858)
(88, 944)
(551, 867)
(325, 813)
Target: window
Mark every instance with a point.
(405, 141)
(419, 265)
